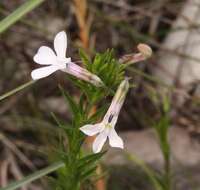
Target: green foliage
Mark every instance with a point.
(79, 165)
(108, 69)
(106, 66)
(76, 109)
(162, 131)
(162, 128)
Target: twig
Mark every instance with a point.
(16, 170)
(4, 172)
(18, 153)
(84, 22)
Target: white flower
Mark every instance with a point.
(46, 56)
(106, 129)
(58, 61)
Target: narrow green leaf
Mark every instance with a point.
(91, 158)
(84, 57)
(82, 102)
(18, 14)
(97, 62)
(72, 104)
(63, 126)
(88, 173)
(10, 93)
(34, 176)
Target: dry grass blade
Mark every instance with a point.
(80, 8)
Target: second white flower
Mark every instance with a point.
(106, 129)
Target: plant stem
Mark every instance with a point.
(10, 93)
(167, 175)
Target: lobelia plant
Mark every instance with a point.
(79, 165)
(102, 78)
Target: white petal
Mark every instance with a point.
(43, 72)
(99, 141)
(45, 56)
(115, 140)
(60, 44)
(91, 130)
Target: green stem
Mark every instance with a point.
(10, 93)
(167, 175)
(73, 157)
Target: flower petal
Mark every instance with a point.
(82, 73)
(115, 140)
(43, 72)
(99, 141)
(112, 114)
(91, 130)
(60, 44)
(45, 56)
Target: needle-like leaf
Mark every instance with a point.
(34, 176)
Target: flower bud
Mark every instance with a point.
(145, 50)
